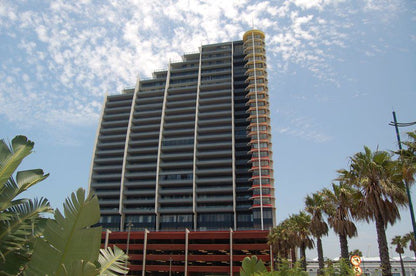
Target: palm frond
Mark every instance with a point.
(112, 263)
(68, 238)
(17, 233)
(11, 157)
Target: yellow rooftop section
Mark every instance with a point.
(254, 32)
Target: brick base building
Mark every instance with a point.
(190, 253)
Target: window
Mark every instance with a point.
(262, 154)
(245, 217)
(263, 181)
(267, 214)
(259, 96)
(260, 128)
(262, 136)
(262, 145)
(140, 219)
(253, 104)
(214, 217)
(260, 111)
(265, 201)
(262, 163)
(185, 176)
(266, 191)
(263, 172)
(178, 142)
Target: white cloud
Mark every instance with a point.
(70, 53)
(303, 127)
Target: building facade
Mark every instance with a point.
(198, 253)
(190, 147)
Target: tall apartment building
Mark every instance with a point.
(190, 147)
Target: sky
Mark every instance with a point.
(337, 69)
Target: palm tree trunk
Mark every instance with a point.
(402, 265)
(320, 256)
(382, 246)
(343, 242)
(293, 255)
(303, 256)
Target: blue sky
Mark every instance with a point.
(337, 69)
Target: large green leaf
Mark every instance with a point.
(26, 179)
(10, 158)
(17, 233)
(20, 220)
(112, 263)
(12, 188)
(251, 266)
(78, 268)
(68, 238)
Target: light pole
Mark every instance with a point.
(170, 265)
(107, 234)
(129, 225)
(396, 126)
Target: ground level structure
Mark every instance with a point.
(190, 253)
(371, 266)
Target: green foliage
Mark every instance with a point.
(112, 263)
(291, 233)
(341, 268)
(407, 157)
(380, 182)
(409, 237)
(254, 267)
(400, 243)
(20, 218)
(33, 245)
(356, 252)
(70, 243)
(285, 269)
(251, 266)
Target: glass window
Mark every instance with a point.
(267, 214)
(262, 154)
(244, 217)
(263, 181)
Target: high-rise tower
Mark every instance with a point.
(190, 147)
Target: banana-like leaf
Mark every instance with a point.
(112, 263)
(78, 268)
(24, 180)
(17, 233)
(251, 266)
(10, 158)
(68, 238)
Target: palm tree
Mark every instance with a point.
(282, 239)
(380, 182)
(356, 252)
(302, 228)
(279, 240)
(314, 205)
(407, 157)
(291, 235)
(338, 205)
(20, 219)
(400, 243)
(410, 237)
